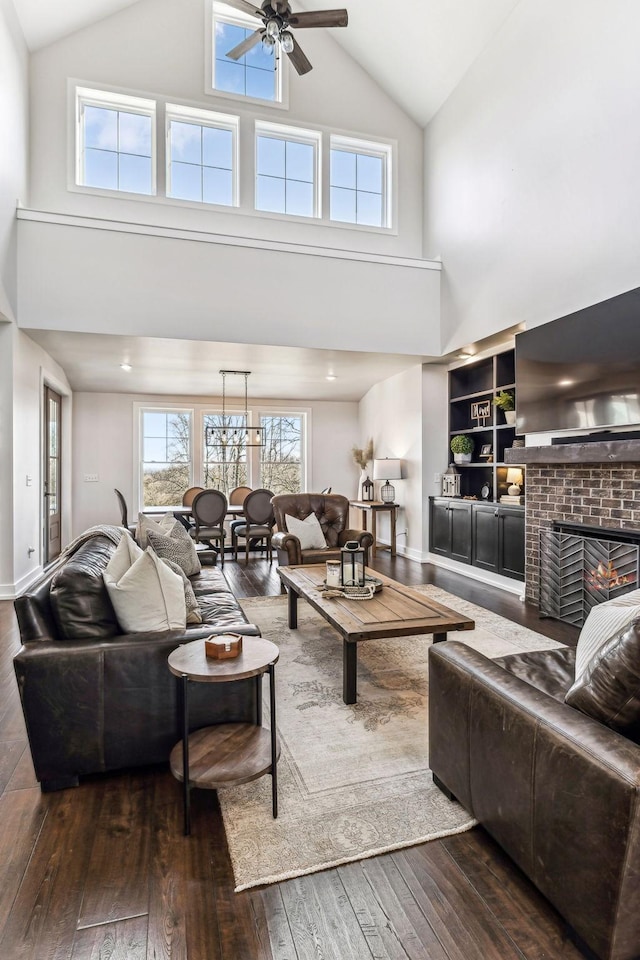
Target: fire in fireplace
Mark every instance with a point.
(606, 577)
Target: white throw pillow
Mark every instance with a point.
(164, 525)
(604, 622)
(125, 554)
(308, 531)
(147, 596)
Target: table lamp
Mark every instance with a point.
(514, 479)
(387, 469)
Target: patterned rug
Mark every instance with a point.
(354, 781)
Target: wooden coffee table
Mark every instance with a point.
(396, 611)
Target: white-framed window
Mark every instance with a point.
(287, 170)
(165, 457)
(115, 141)
(202, 155)
(257, 75)
(283, 457)
(360, 182)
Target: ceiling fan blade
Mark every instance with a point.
(246, 45)
(299, 60)
(319, 18)
(245, 7)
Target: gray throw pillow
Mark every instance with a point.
(609, 688)
(194, 614)
(177, 546)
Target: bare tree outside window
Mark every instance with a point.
(166, 457)
(281, 456)
(225, 464)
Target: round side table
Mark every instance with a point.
(226, 753)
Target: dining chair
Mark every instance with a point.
(209, 508)
(124, 513)
(188, 495)
(257, 524)
(238, 495)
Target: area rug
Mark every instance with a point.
(354, 781)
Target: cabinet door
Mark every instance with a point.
(439, 528)
(460, 514)
(512, 543)
(486, 537)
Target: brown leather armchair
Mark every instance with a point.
(332, 511)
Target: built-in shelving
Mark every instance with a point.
(477, 382)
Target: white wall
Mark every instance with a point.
(406, 416)
(32, 368)
(13, 147)
(531, 169)
(95, 280)
(7, 334)
(103, 431)
(157, 47)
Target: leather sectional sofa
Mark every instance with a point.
(558, 790)
(95, 699)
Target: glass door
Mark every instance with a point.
(52, 446)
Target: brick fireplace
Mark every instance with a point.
(595, 484)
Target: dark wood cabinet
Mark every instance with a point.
(486, 535)
(450, 528)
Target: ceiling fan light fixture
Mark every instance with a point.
(286, 41)
(273, 30)
(268, 43)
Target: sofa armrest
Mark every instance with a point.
(290, 544)
(559, 791)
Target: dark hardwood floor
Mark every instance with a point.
(103, 872)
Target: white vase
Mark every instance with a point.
(462, 458)
(363, 477)
(510, 417)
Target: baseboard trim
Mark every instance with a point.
(484, 576)
(9, 591)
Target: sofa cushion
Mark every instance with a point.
(176, 546)
(308, 531)
(605, 621)
(148, 596)
(609, 688)
(79, 599)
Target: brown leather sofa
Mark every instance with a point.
(95, 699)
(558, 790)
(332, 511)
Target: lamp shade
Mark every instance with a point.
(514, 475)
(387, 469)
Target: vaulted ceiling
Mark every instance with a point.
(416, 50)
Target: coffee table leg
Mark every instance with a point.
(293, 608)
(274, 751)
(349, 672)
(439, 637)
(185, 754)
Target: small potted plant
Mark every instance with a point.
(506, 402)
(461, 448)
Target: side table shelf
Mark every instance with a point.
(226, 753)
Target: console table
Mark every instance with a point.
(374, 507)
(226, 753)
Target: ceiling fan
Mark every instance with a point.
(278, 19)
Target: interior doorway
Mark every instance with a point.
(52, 446)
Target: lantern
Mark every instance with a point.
(451, 482)
(367, 490)
(352, 557)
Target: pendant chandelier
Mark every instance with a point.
(226, 435)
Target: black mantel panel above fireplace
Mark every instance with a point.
(582, 566)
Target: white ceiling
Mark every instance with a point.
(416, 50)
(92, 361)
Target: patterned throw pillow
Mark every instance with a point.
(308, 531)
(177, 546)
(164, 525)
(193, 610)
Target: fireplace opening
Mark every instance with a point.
(582, 566)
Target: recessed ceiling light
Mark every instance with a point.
(565, 383)
(126, 367)
(463, 355)
(331, 376)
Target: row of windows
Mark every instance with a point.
(171, 460)
(116, 150)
